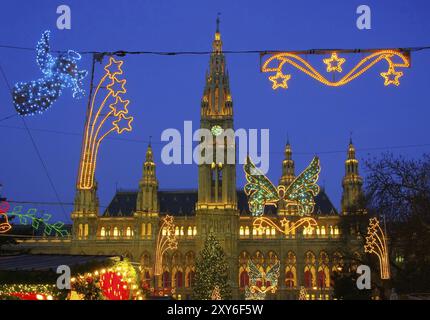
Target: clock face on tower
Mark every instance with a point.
(216, 130)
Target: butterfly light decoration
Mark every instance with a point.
(301, 192)
(260, 282)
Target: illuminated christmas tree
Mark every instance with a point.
(211, 271)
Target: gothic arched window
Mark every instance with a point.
(165, 279)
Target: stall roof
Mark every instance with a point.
(46, 262)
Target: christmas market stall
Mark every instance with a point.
(67, 277)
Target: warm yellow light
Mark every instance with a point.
(264, 224)
(280, 59)
(166, 240)
(334, 63)
(377, 244)
(280, 80)
(96, 119)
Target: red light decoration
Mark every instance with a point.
(114, 287)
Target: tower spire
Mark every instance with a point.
(216, 100)
(217, 43)
(351, 183)
(288, 173)
(147, 199)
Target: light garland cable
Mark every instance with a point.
(166, 240)
(277, 61)
(122, 53)
(376, 243)
(95, 131)
(305, 153)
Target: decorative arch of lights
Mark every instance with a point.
(277, 63)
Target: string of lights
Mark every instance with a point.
(205, 52)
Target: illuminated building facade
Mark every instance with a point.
(130, 224)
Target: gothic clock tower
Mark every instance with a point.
(216, 208)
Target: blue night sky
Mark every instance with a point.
(166, 90)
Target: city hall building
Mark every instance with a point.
(129, 226)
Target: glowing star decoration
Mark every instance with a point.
(280, 80)
(286, 227)
(30, 218)
(123, 119)
(120, 106)
(4, 221)
(116, 87)
(260, 282)
(278, 60)
(300, 192)
(166, 240)
(113, 68)
(334, 63)
(377, 244)
(97, 127)
(391, 77)
(58, 72)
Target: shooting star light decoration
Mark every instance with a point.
(300, 192)
(166, 240)
(278, 60)
(377, 244)
(99, 112)
(59, 72)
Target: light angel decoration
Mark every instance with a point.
(58, 72)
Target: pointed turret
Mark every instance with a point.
(216, 100)
(288, 172)
(147, 199)
(352, 183)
